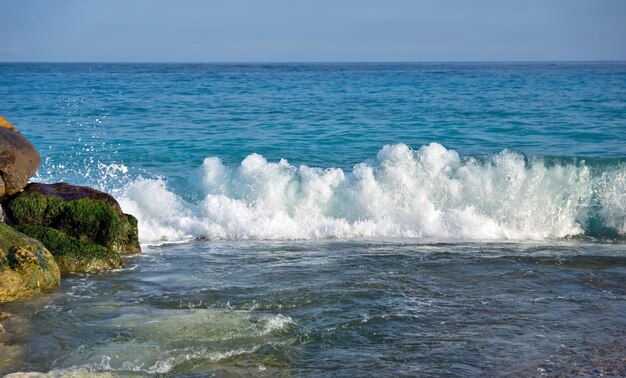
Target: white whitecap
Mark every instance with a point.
(426, 193)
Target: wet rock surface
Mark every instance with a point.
(73, 255)
(26, 266)
(80, 212)
(19, 159)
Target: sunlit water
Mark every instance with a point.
(349, 220)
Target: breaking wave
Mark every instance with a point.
(427, 193)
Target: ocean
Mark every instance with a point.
(374, 219)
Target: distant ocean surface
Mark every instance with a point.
(417, 219)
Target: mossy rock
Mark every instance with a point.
(26, 266)
(81, 212)
(73, 255)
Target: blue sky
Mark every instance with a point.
(314, 30)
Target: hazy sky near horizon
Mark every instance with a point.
(321, 30)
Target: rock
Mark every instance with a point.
(81, 212)
(19, 159)
(26, 266)
(73, 255)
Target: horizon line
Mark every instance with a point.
(318, 62)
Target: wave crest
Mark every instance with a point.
(426, 193)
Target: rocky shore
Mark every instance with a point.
(52, 230)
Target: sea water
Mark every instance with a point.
(335, 219)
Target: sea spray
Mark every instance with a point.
(427, 193)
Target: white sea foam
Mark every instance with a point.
(276, 323)
(425, 193)
(158, 341)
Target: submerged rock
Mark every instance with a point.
(19, 159)
(26, 266)
(80, 212)
(73, 255)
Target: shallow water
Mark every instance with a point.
(335, 219)
(335, 308)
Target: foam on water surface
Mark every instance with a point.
(427, 193)
(162, 340)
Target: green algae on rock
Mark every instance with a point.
(81, 212)
(73, 255)
(26, 266)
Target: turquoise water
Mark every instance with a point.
(500, 126)
(336, 219)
